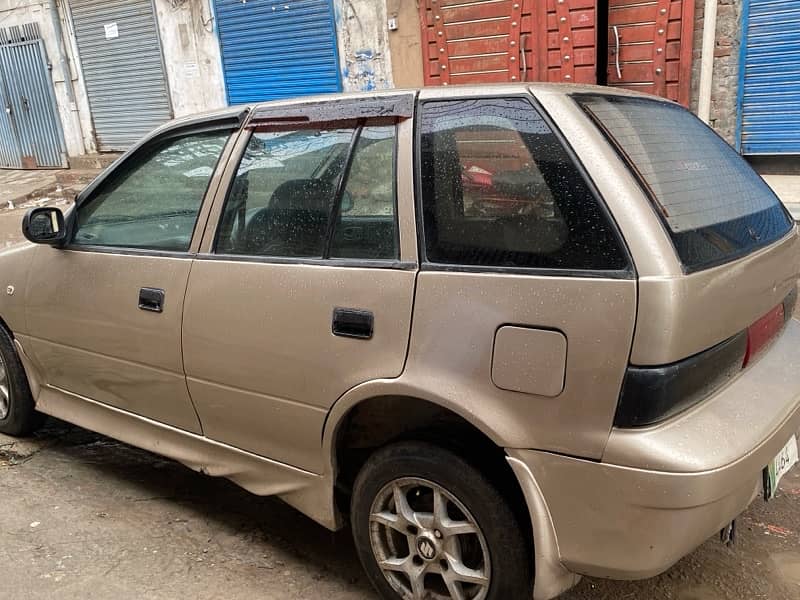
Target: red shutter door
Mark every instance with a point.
(496, 41)
(650, 46)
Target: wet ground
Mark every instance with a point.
(83, 516)
(21, 190)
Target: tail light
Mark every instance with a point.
(762, 331)
(652, 394)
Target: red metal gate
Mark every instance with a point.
(650, 46)
(492, 41)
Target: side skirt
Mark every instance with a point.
(305, 491)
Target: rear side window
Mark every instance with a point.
(499, 190)
(714, 206)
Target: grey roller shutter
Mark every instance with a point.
(120, 53)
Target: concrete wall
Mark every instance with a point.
(361, 29)
(192, 56)
(406, 43)
(726, 65)
(371, 56)
(73, 112)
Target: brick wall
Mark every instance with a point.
(726, 65)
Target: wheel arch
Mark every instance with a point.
(371, 391)
(372, 416)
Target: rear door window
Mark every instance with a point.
(317, 192)
(713, 204)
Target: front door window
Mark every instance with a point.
(153, 202)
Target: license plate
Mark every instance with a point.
(779, 466)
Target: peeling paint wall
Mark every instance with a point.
(191, 55)
(363, 44)
(75, 116)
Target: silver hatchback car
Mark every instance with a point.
(512, 335)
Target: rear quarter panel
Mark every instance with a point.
(456, 316)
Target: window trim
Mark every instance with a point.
(344, 178)
(179, 131)
(396, 104)
(428, 265)
(291, 125)
(362, 263)
(125, 251)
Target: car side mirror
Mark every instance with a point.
(45, 225)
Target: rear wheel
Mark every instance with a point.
(428, 525)
(18, 415)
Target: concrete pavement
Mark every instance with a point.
(21, 190)
(787, 187)
(83, 516)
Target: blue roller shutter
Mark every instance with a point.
(769, 94)
(276, 49)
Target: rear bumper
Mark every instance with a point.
(659, 492)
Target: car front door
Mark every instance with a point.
(305, 289)
(104, 313)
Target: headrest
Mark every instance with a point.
(310, 195)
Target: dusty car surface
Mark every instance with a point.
(512, 335)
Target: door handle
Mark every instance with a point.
(353, 323)
(151, 299)
(616, 52)
(523, 58)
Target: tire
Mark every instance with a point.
(407, 544)
(18, 415)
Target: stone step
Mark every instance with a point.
(92, 161)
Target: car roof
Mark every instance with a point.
(459, 91)
(423, 93)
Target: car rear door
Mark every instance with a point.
(104, 313)
(303, 289)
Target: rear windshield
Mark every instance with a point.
(715, 207)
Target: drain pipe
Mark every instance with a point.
(63, 62)
(707, 60)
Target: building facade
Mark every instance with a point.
(108, 71)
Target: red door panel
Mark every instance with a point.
(650, 46)
(491, 41)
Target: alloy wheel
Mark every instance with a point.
(5, 391)
(427, 544)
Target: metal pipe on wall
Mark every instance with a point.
(63, 61)
(707, 60)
